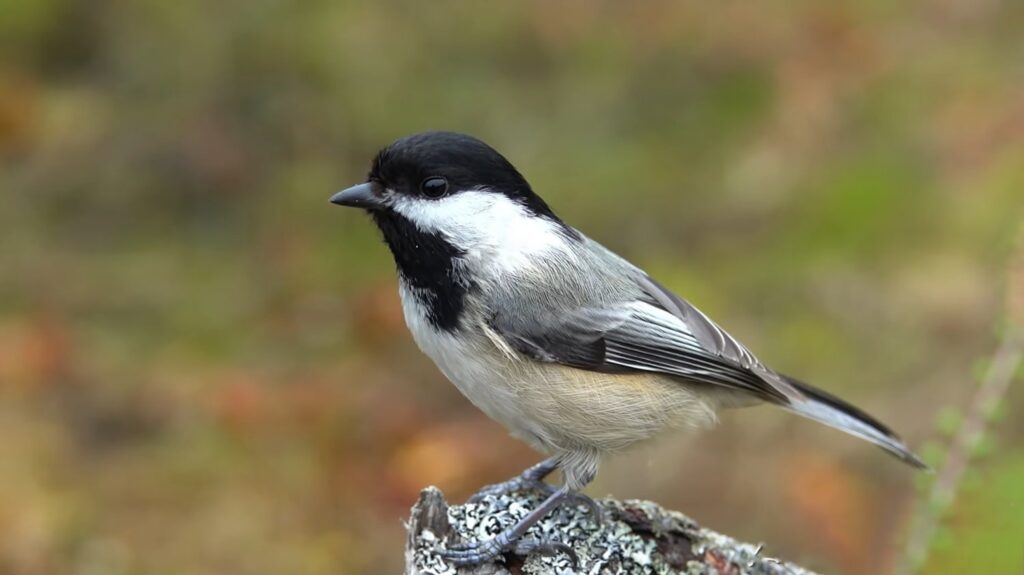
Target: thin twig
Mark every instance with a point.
(996, 382)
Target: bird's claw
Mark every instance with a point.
(531, 479)
(524, 484)
(473, 553)
(477, 552)
(511, 486)
(529, 545)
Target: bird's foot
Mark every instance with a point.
(530, 480)
(526, 546)
(519, 483)
(478, 552)
(522, 483)
(511, 538)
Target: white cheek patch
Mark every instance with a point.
(457, 212)
(488, 226)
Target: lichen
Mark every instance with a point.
(632, 537)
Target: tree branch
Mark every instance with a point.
(633, 537)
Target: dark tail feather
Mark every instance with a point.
(826, 408)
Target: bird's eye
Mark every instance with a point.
(434, 187)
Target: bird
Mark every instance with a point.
(574, 349)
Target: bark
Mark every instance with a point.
(633, 537)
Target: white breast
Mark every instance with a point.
(478, 368)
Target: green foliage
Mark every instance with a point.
(948, 420)
(984, 532)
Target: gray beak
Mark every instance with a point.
(358, 196)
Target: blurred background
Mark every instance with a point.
(203, 364)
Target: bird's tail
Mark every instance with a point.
(826, 408)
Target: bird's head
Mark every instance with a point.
(453, 186)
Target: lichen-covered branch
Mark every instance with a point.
(632, 537)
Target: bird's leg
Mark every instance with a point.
(484, 551)
(532, 478)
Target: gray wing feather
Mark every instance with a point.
(662, 333)
(714, 338)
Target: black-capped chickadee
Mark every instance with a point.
(574, 349)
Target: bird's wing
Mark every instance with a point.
(659, 332)
(712, 337)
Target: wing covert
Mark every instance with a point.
(644, 336)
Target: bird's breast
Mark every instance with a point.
(473, 363)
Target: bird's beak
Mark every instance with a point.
(358, 196)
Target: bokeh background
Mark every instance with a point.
(203, 365)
